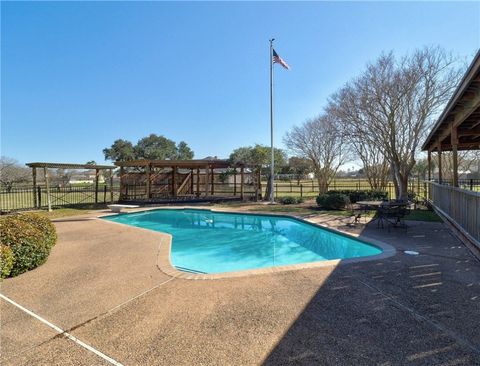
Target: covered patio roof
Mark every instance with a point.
(459, 124)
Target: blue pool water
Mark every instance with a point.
(212, 242)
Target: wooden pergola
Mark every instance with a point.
(46, 166)
(458, 127)
(160, 179)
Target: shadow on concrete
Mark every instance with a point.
(403, 310)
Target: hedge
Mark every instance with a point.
(332, 201)
(290, 200)
(358, 195)
(30, 237)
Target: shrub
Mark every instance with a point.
(30, 237)
(332, 201)
(358, 195)
(6, 261)
(290, 200)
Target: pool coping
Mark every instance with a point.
(164, 249)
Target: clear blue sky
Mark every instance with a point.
(77, 76)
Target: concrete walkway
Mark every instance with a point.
(102, 286)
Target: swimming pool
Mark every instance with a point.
(204, 241)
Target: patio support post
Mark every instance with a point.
(148, 183)
(439, 150)
(111, 185)
(454, 142)
(34, 176)
(96, 184)
(47, 184)
(429, 161)
(198, 182)
(242, 182)
(212, 181)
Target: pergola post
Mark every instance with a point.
(198, 182)
(439, 150)
(34, 176)
(191, 180)
(206, 180)
(454, 142)
(96, 185)
(121, 183)
(47, 184)
(242, 182)
(174, 181)
(212, 181)
(111, 185)
(235, 181)
(148, 183)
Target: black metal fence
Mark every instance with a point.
(26, 198)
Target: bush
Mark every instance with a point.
(290, 200)
(30, 237)
(332, 201)
(357, 195)
(6, 261)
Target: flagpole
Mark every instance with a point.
(272, 164)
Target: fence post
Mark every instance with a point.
(301, 190)
(105, 193)
(291, 187)
(276, 190)
(471, 184)
(39, 191)
(313, 188)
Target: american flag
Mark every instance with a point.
(277, 59)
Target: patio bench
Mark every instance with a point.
(117, 208)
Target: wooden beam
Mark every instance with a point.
(97, 172)
(206, 180)
(212, 181)
(439, 150)
(111, 185)
(34, 177)
(191, 181)
(242, 182)
(122, 170)
(148, 182)
(47, 184)
(174, 181)
(235, 181)
(198, 182)
(429, 160)
(454, 142)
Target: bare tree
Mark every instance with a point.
(319, 140)
(393, 104)
(11, 173)
(466, 160)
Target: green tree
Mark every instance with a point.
(155, 147)
(300, 167)
(183, 151)
(152, 147)
(258, 157)
(121, 150)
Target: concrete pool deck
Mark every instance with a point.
(101, 284)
